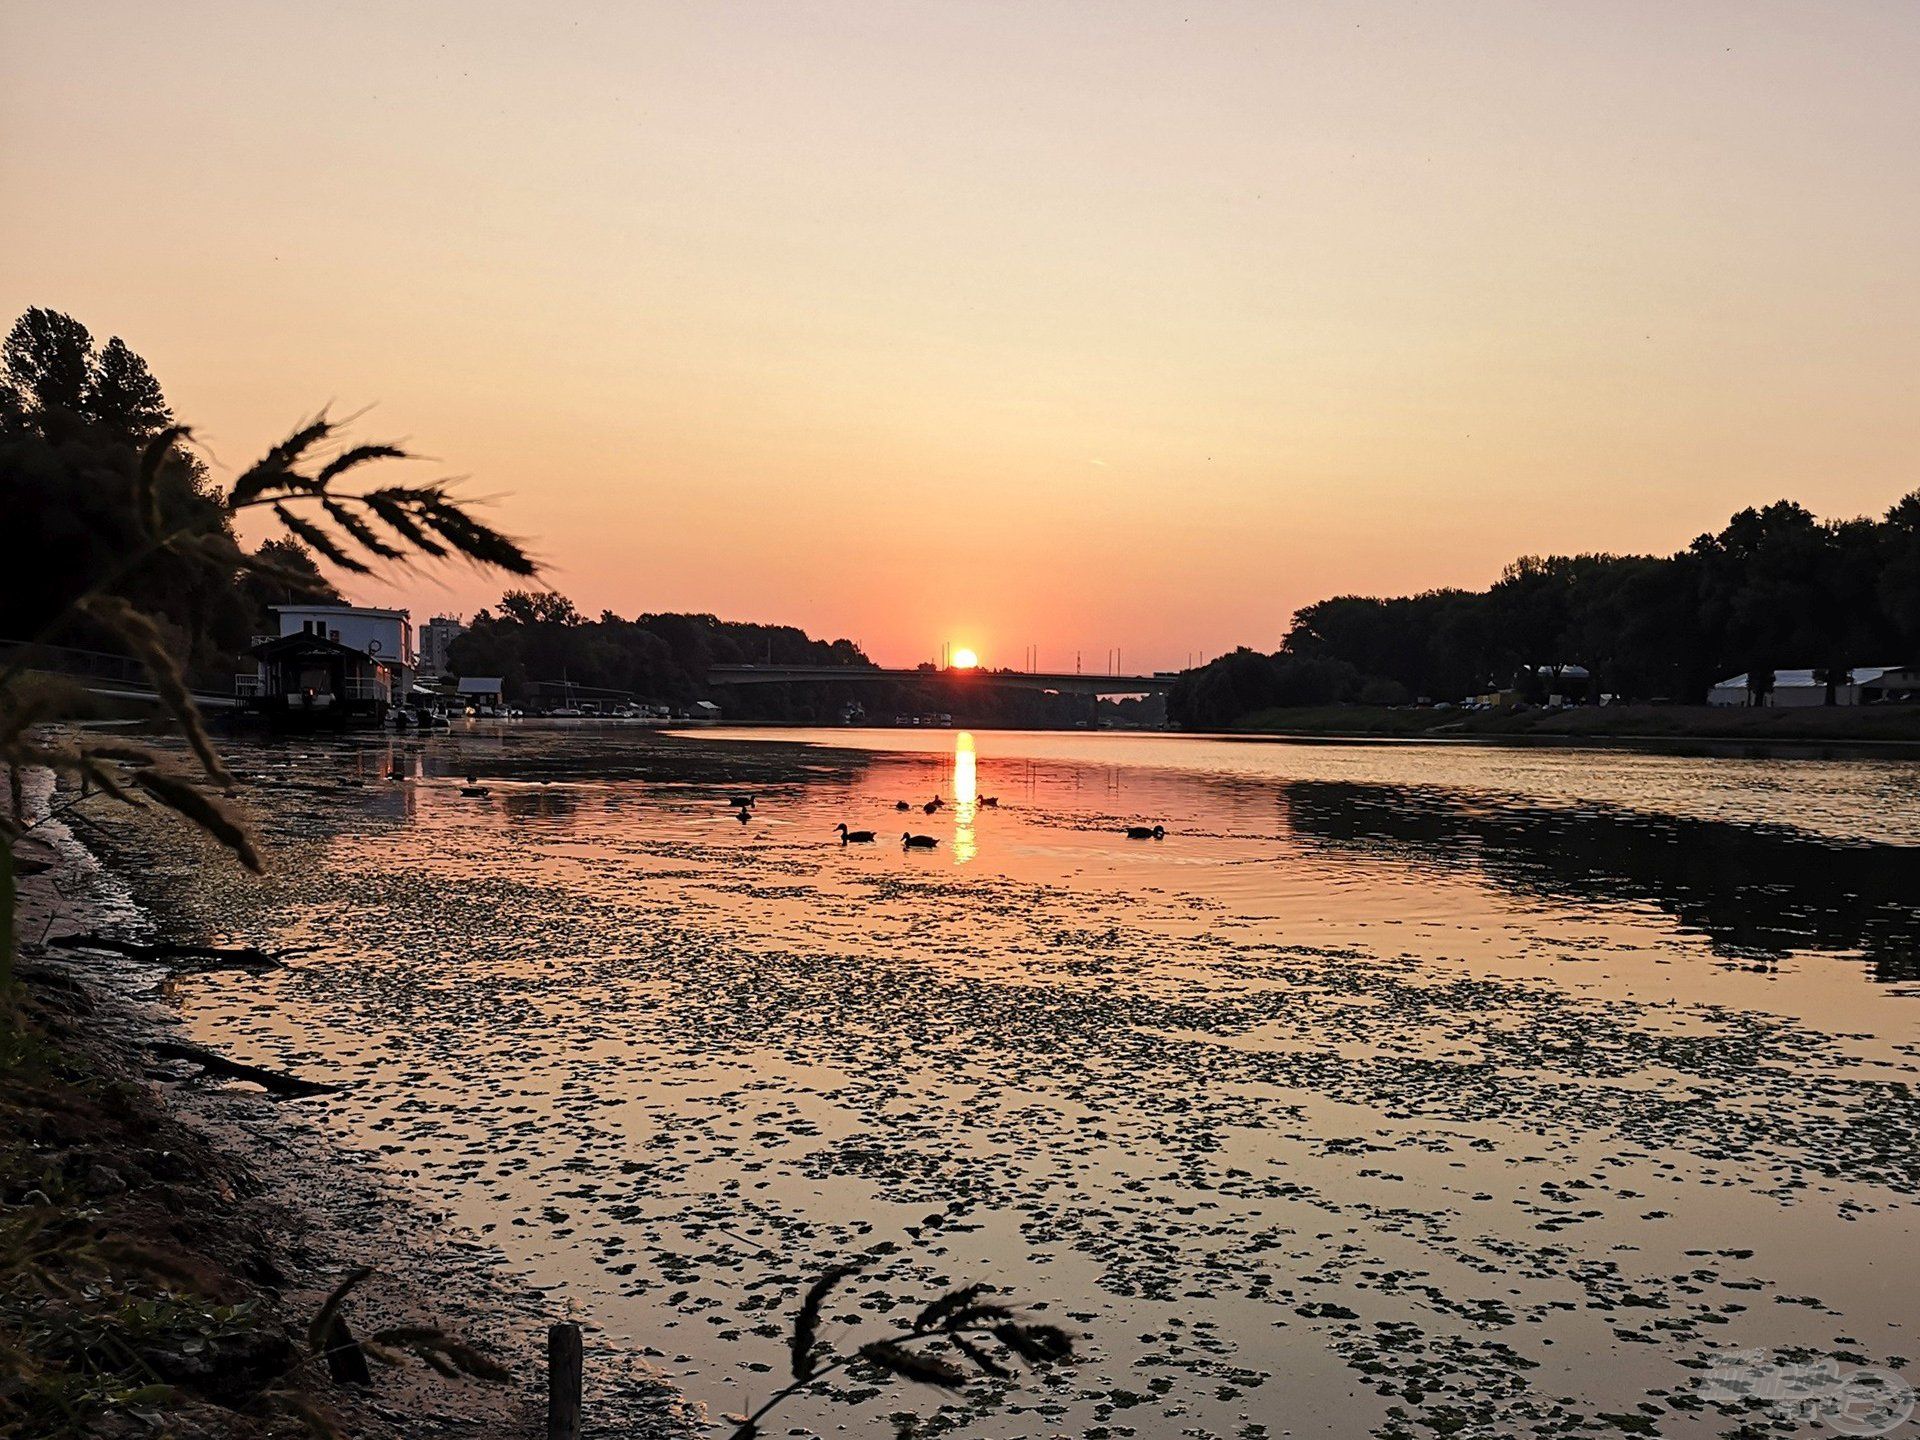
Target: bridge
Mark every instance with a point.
(1064, 684)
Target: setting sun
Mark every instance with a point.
(964, 659)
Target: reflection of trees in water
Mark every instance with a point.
(1749, 890)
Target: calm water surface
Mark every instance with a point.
(1399, 1090)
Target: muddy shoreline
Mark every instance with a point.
(262, 1200)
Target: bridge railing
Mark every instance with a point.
(93, 665)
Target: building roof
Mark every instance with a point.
(1803, 679)
(340, 610)
(481, 684)
(309, 644)
(1904, 676)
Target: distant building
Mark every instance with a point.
(482, 692)
(436, 637)
(1896, 686)
(334, 665)
(1796, 688)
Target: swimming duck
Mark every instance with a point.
(854, 837)
(990, 802)
(475, 792)
(902, 805)
(1143, 832)
(910, 841)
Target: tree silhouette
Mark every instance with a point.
(49, 363)
(123, 395)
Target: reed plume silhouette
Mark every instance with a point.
(312, 484)
(956, 1336)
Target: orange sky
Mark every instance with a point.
(1077, 325)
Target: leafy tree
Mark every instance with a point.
(538, 607)
(1897, 593)
(283, 572)
(1775, 587)
(123, 395)
(49, 363)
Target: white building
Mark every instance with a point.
(1795, 688)
(331, 665)
(385, 636)
(436, 636)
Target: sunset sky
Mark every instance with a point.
(1067, 324)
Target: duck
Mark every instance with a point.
(1145, 832)
(902, 805)
(990, 802)
(910, 841)
(475, 792)
(854, 837)
(932, 805)
(745, 802)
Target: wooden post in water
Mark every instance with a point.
(563, 1381)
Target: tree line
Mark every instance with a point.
(536, 640)
(76, 418)
(1776, 588)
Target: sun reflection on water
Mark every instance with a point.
(966, 798)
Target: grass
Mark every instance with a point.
(112, 1317)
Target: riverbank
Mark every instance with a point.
(166, 1242)
(1875, 725)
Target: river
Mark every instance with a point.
(1398, 1090)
